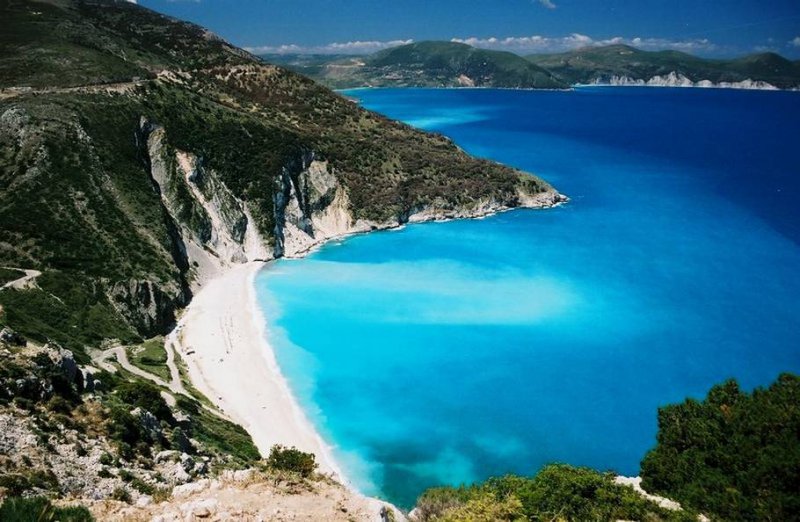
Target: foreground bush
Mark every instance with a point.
(557, 492)
(39, 509)
(291, 459)
(735, 455)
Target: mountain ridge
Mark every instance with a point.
(425, 64)
(601, 64)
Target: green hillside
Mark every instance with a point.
(100, 100)
(425, 64)
(599, 64)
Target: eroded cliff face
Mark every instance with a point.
(211, 229)
(200, 227)
(146, 305)
(312, 206)
(214, 229)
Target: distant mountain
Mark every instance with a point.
(625, 64)
(423, 64)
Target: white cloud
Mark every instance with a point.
(548, 4)
(355, 47)
(795, 42)
(517, 44)
(545, 44)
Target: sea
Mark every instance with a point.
(445, 353)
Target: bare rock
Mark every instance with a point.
(149, 307)
(186, 490)
(149, 423)
(64, 360)
(181, 442)
(166, 456)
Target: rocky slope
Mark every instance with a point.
(251, 495)
(107, 442)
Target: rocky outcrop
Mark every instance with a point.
(251, 495)
(149, 423)
(36, 373)
(146, 305)
(64, 360)
(311, 207)
(214, 228)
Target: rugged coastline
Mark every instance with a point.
(674, 79)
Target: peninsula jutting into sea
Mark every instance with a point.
(228, 292)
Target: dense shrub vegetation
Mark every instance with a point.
(557, 492)
(39, 509)
(282, 458)
(735, 454)
(229, 441)
(9, 274)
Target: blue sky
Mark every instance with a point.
(705, 27)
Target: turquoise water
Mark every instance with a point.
(445, 353)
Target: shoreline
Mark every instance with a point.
(574, 87)
(222, 339)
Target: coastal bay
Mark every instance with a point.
(634, 285)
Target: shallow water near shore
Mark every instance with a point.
(448, 352)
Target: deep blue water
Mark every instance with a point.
(446, 353)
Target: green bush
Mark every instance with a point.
(227, 440)
(17, 484)
(142, 487)
(291, 459)
(735, 455)
(40, 509)
(486, 508)
(121, 494)
(144, 395)
(7, 275)
(106, 459)
(557, 492)
(124, 429)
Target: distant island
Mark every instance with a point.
(451, 64)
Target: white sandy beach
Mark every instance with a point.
(221, 338)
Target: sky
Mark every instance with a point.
(704, 27)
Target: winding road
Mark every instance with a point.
(26, 281)
(175, 385)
